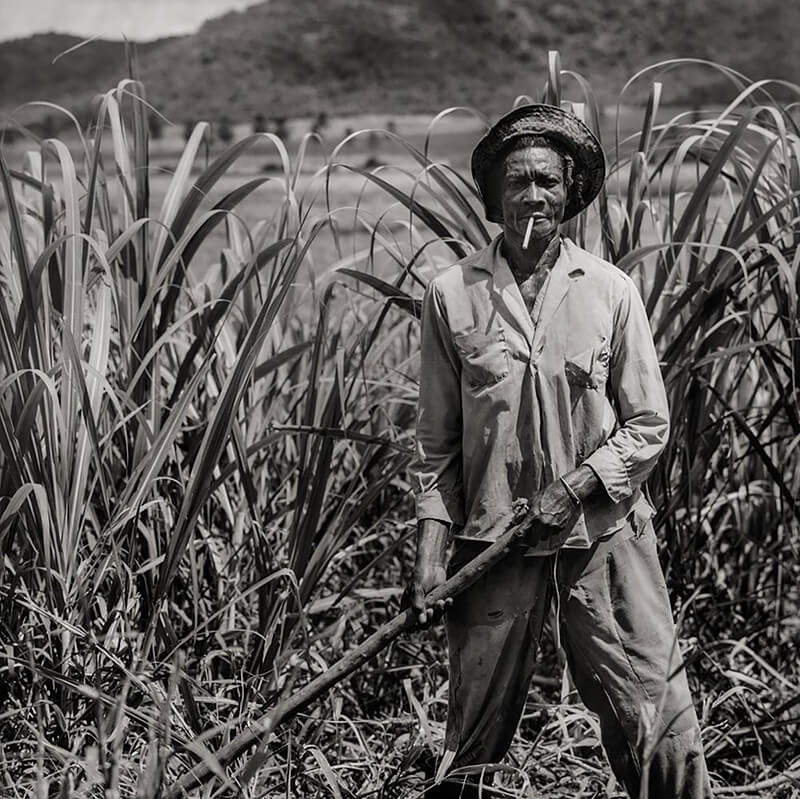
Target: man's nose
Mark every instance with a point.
(534, 194)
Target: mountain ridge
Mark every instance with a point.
(286, 58)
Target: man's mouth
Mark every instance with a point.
(536, 218)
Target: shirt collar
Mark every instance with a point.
(564, 271)
(491, 258)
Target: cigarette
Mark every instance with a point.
(528, 231)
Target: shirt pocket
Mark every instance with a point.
(588, 369)
(484, 356)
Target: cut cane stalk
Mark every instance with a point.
(515, 530)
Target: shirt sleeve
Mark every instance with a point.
(637, 389)
(436, 470)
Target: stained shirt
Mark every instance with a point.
(506, 405)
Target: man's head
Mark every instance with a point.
(531, 180)
(543, 128)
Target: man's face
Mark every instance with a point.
(533, 186)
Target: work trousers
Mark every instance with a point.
(617, 631)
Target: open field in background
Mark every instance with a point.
(205, 421)
(448, 141)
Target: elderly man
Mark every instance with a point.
(540, 381)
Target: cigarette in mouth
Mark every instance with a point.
(528, 231)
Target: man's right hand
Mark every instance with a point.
(429, 570)
(426, 577)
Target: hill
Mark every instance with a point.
(292, 57)
(41, 68)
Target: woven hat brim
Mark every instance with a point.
(540, 119)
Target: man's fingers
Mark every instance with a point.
(417, 598)
(428, 613)
(425, 611)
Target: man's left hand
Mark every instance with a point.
(552, 515)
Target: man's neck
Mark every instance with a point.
(540, 255)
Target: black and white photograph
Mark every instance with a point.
(399, 399)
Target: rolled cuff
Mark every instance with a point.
(611, 472)
(440, 506)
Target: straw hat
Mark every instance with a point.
(552, 122)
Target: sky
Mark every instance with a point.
(140, 20)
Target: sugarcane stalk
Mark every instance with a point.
(515, 529)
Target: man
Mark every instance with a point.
(540, 381)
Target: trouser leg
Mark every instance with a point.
(493, 630)
(619, 637)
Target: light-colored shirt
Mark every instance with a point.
(507, 405)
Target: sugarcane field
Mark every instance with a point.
(399, 400)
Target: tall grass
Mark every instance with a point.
(203, 496)
(169, 502)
